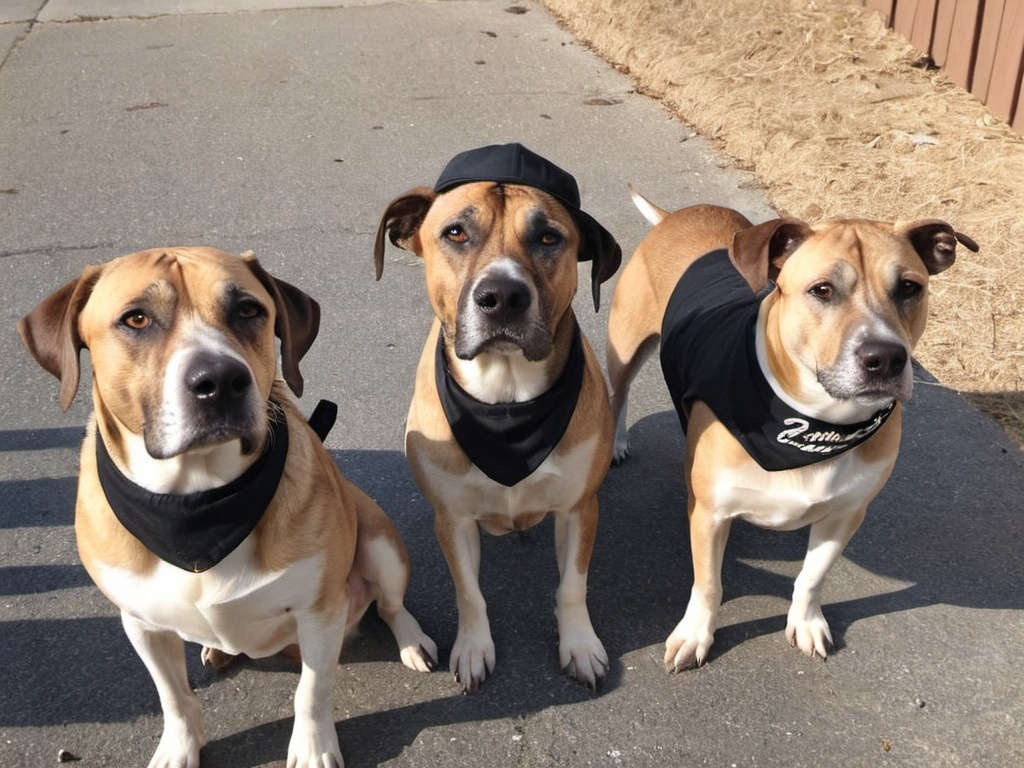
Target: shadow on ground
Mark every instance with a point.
(940, 531)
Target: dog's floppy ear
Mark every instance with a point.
(935, 242)
(599, 245)
(296, 325)
(760, 251)
(50, 332)
(401, 221)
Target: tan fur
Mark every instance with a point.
(644, 287)
(318, 522)
(838, 284)
(498, 218)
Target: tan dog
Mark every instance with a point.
(191, 438)
(501, 270)
(790, 400)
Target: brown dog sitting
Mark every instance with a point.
(509, 419)
(208, 510)
(788, 391)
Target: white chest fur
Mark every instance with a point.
(794, 498)
(555, 486)
(232, 607)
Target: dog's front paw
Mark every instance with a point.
(583, 657)
(417, 650)
(808, 631)
(179, 746)
(472, 659)
(620, 448)
(314, 745)
(421, 657)
(322, 760)
(688, 645)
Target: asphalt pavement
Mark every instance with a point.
(248, 124)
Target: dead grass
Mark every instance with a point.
(835, 116)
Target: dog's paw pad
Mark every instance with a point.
(589, 669)
(620, 452)
(811, 636)
(470, 665)
(686, 648)
(581, 653)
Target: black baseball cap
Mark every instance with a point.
(515, 164)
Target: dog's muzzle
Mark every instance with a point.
(876, 369)
(500, 309)
(216, 400)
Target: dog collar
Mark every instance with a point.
(195, 531)
(508, 441)
(708, 353)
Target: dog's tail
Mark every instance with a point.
(651, 212)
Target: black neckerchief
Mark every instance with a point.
(195, 531)
(508, 441)
(708, 353)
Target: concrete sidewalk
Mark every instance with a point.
(248, 125)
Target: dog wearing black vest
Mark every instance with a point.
(509, 419)
(786, 349)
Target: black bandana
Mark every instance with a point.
(508, 441)
(708, 353)
(195, 531)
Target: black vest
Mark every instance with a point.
(708, 353)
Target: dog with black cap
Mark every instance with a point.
(510, 418)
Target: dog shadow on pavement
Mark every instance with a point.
(640, 575)
(939, 533)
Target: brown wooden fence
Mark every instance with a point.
(978, 43)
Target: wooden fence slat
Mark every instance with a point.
(903, 17)
(959, 64)
(988, 41)
(943, 30)
(1018, 118)
(1006, 70)
(921, 31)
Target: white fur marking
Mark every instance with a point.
(191, 472)
(495, 377)
(796, 497)
(555, 486)
(650, 211)
(232, 606)
(175, 427)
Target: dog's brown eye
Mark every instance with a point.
(247, 310)
(908, 289)
(137, 320)
(456, 234)
(550, 238)
(823, 291)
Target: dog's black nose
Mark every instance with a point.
(218, 380)
(503, 298)
(882, 359)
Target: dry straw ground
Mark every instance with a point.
(838, 116)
